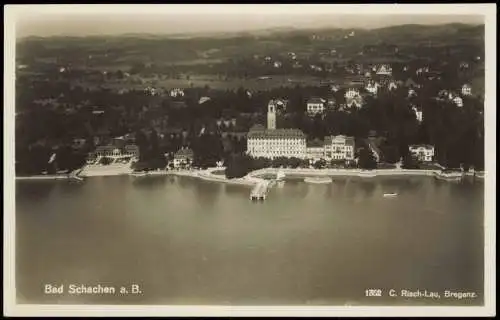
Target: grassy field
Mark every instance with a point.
(212, 81)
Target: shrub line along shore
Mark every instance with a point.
(254, 177)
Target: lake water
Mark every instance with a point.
(186, 241)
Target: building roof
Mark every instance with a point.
(315, 100)
(131, 147)
(185, 152)
(339, 139)
(316, 143)
(417, 146)
(276, 134)
(106, 148)
(203, 100)
(257, 127)
(384, 68)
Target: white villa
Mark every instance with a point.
(351, 93)
(385, 70)
(183, 157)
(466, 90)
(177, 92)
(112, 151)
(372, 87)
(422, 152)
(315, 106)
(339, 148)
(418, 113)
(458, 101)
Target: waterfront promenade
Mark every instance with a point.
(253, 177)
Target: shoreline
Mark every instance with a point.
(254, 177)
(352, 172)
(44, 177)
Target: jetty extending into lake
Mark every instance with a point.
(259, 192)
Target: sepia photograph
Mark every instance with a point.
(266, 160)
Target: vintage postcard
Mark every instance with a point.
(236, 160)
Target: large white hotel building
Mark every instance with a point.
(272, 142)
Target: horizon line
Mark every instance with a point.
(247, 32)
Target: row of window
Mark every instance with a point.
(276, 150)
(276, 140)
(114, 153)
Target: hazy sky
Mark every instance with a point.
(73, 23)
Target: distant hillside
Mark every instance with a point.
(182, 47)
(400, 31)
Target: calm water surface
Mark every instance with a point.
(185, 241)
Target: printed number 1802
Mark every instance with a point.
(373, 293)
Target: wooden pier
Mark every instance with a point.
(259, 192)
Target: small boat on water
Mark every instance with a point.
(318, 180)
(449, 175)
(479, 174)
(390, 195)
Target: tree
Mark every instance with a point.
(367, 159)
(280, 162)
(320, 164)
(295, 162)
(390, 154)
(142, 142)
(153, 138)
(105, 161)
(336, 163)
(410, 161)
(238, 166)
